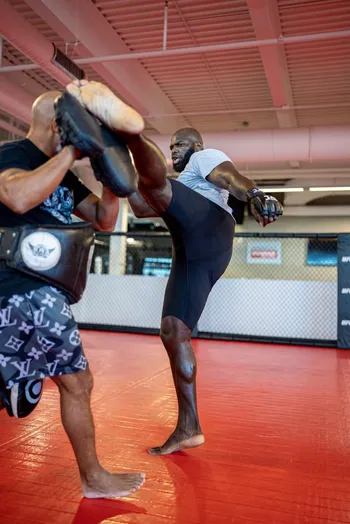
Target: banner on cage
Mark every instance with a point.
(264, 252)
(344, 291)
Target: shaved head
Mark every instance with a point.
(43, 112)
(43, 130)
(190, 134)
(184, 143)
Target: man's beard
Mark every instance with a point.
(181, 165)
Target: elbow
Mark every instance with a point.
(17, 203)
(137, 210)
(144, 212)
(108, 229)
(140, 214)
(105, 227)
(18, 206)
(106, 222)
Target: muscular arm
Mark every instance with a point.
(264, 208)
(102, 212)
(227, 177)
(21, 190)
(140, 207)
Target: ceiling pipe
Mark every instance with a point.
(22, 35)
(278, 145)
(97, 37)
(7, 126)
(15, 100)
(282, 40)
(220, 47)
(165, 30)
(276, 174)
(250, 110)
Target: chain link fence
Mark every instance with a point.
(278, 287)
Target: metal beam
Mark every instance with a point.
(308, 144)
(24, 80)
(7, 126)
(15, 100)
(29, 41)
(266, 22)
(249, 44)
(96, 36)
(254, 110)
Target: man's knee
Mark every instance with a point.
(176, 338)
(158, 195)
(77, 384)
(174, 331)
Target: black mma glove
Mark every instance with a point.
(109, 158)
(264, 208)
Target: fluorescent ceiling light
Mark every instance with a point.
(282, 189)
(334, 188)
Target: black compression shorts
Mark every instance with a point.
(202, 234)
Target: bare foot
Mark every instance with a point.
(106, 106)
(112, 486)
(178, 441)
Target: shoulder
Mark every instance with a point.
(12, 147)
(14, 155)
(210, 155)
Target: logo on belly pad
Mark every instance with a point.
(41, 251)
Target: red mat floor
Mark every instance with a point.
(276, 419)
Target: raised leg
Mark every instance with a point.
(152, 170)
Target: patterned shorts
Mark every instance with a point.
(39, 337)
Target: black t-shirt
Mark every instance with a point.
(56, 209)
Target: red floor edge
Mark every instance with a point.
(277, 451)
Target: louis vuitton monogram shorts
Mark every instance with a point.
(39, 337)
